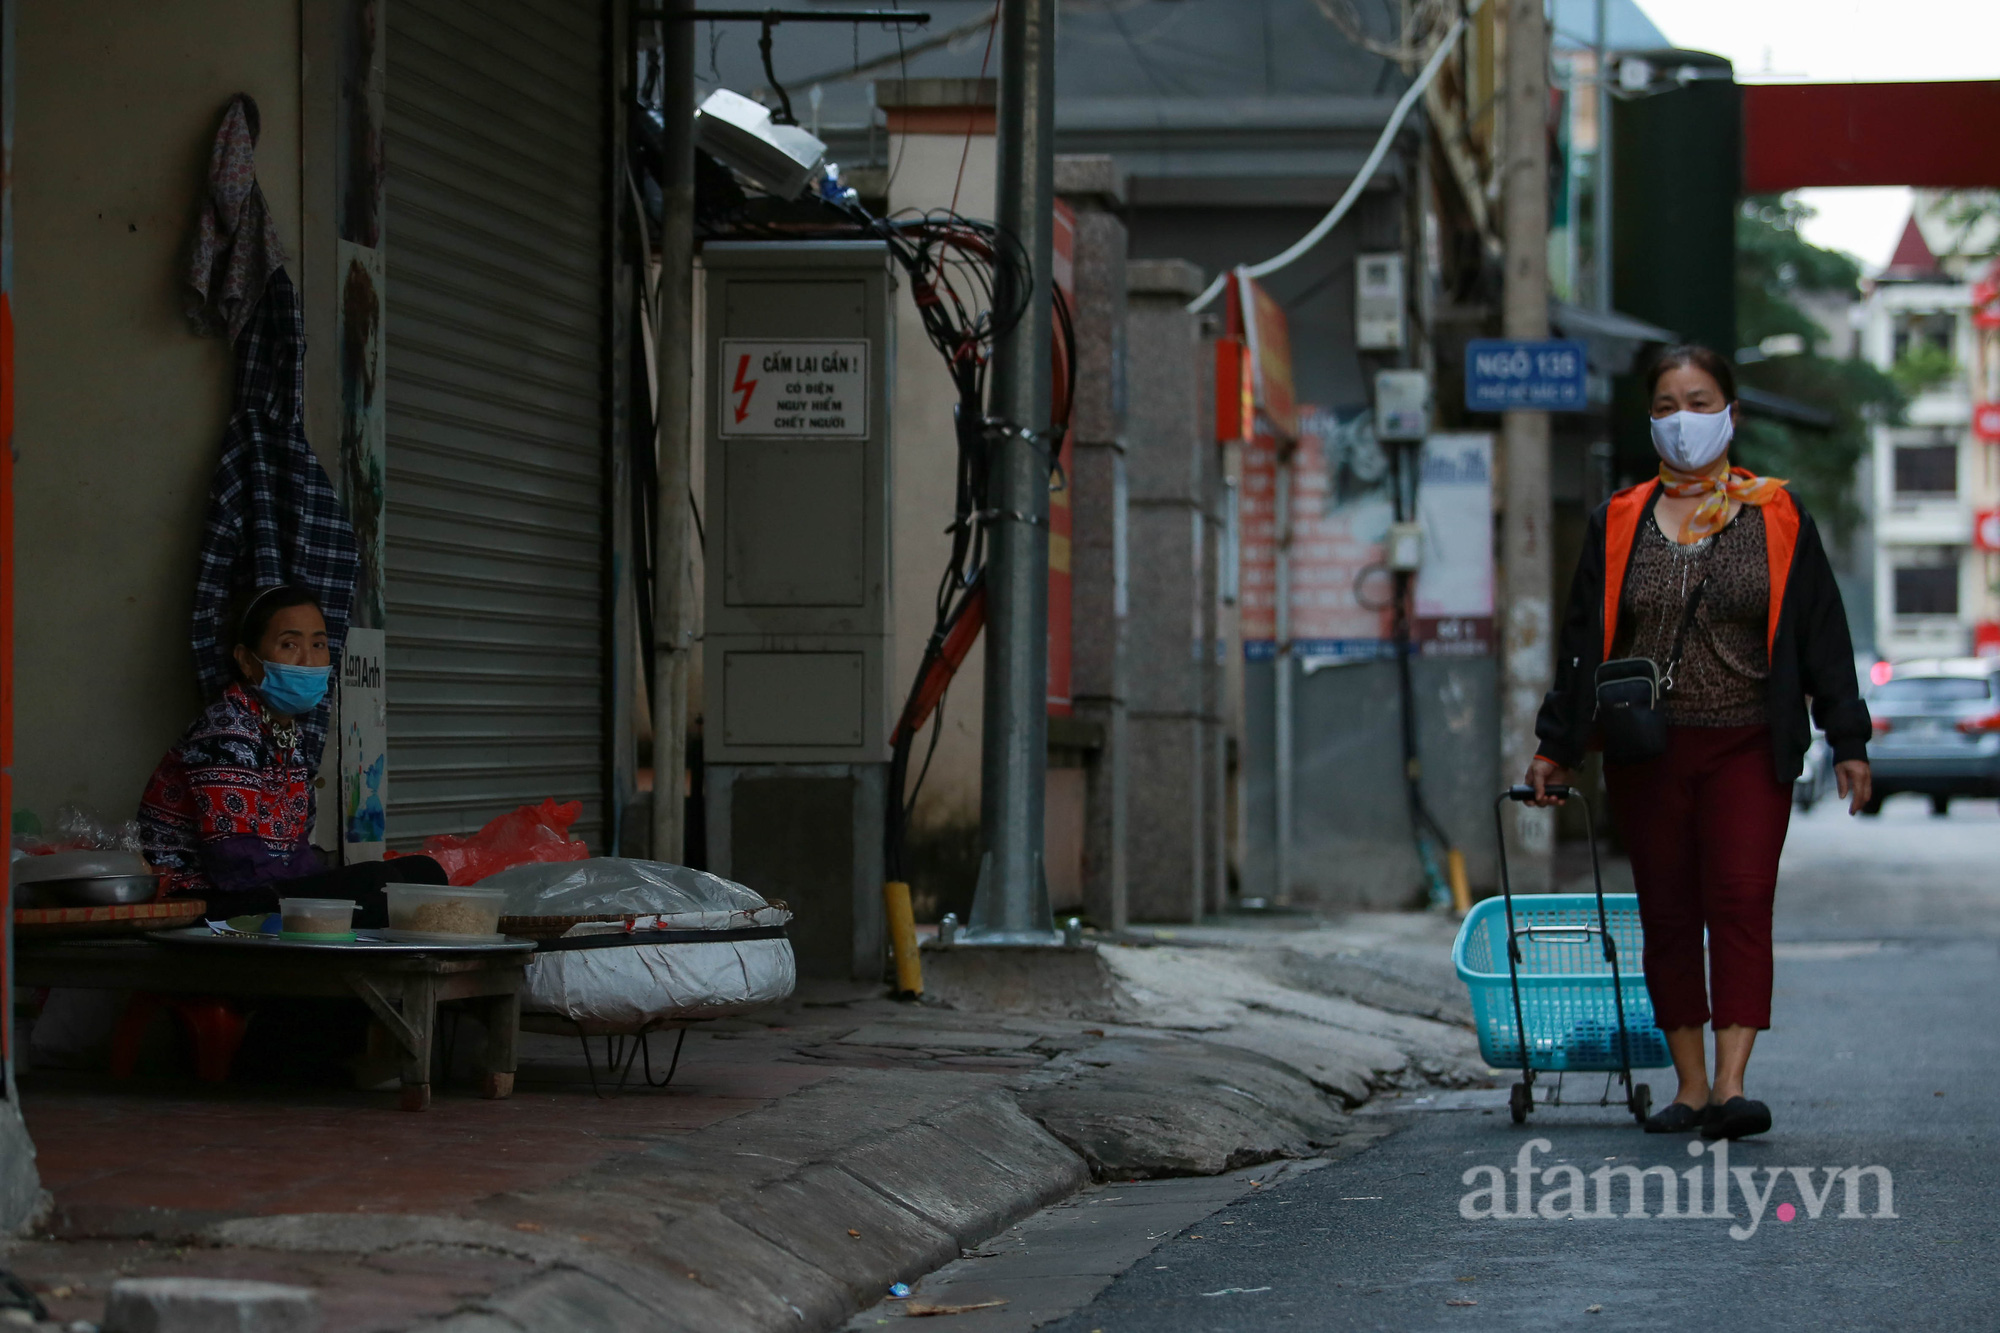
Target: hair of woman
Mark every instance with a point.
(1705, 359)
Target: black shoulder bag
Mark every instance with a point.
(1628, 697)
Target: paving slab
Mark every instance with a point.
(927, 1036)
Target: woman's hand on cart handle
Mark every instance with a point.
(1854, 780)
(1550, 781)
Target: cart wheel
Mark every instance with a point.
(1520, 1102)
(1640, 1102)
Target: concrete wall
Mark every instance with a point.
(924, 461)
(1351, 841)
(120, 408)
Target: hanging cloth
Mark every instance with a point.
(236, 247)
(273, 515)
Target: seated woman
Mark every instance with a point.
(228, 814)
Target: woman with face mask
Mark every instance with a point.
(228, 814)
(1717, 577)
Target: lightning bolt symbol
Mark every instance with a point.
(744, 387)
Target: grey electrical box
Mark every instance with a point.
(1402, 404)
(1378, 303)
(796, 647)
(797, 350)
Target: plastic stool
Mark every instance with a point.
(215, 1029)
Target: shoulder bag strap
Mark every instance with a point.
(1681, 634)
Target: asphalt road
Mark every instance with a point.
(1885, 1053)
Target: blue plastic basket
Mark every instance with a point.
(1566, 994)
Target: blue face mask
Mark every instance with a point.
(293, 689)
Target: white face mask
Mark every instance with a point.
(1690, 441)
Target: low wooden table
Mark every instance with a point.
(46, 923)
(401, 986)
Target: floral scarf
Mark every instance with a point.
(1720, 485)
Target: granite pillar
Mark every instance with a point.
(1090, 185)
(1168, 631)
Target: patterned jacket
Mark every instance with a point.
(229, 808)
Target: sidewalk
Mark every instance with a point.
(800, 1162)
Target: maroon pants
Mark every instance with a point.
(1704, 824)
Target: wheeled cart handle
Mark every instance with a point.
(1577, 932)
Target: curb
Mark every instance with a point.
(782, 1256)
(797, 1218)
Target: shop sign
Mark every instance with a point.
(1235, 393)
(1986, 529)
(1986, 422)
(364, 744)
(1986, 299)
(1454, 590)
(1258, 321)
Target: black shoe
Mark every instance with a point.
(1737, 1118)
(1678, 1118)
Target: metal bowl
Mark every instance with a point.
(90, 891)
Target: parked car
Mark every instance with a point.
(1937, 731)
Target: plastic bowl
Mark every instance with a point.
(443, 913)
(316, 918)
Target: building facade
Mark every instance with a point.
(1931, 476)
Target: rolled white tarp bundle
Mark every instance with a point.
(646, 943)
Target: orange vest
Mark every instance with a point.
(1621, 529)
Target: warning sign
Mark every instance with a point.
(797, 387)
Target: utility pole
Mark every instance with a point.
(1011, 902)
(674, 346)
(1527, 649)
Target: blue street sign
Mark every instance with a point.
(1519, 375)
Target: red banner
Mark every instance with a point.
(1922, 134)
(1063, 271)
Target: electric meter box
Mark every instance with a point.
(1402, 404)
(1378, 303)
(797, 351)
(797, 392)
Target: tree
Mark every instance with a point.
(1775, 266)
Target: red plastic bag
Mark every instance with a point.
(532, 833)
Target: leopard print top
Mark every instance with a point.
(1720, 680)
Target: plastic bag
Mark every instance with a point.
(615, 886)
(633, 989)
(533, 833)
(75, 829)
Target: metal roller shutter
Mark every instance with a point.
(496, 411)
